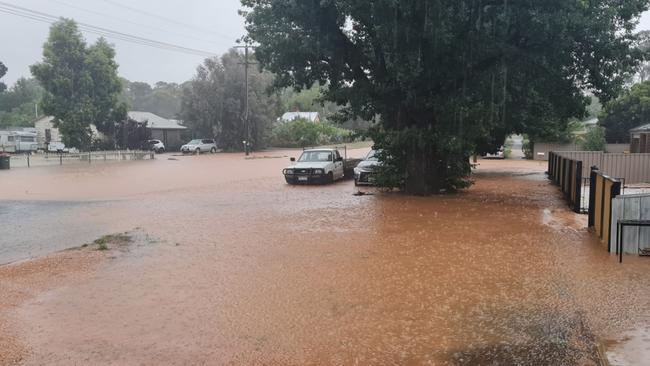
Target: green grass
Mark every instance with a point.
(115, 239)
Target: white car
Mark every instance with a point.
(318, 166)
(156, 145)
(199, 146)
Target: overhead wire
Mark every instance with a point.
(160, 17)
(15, 10)
(139, 24)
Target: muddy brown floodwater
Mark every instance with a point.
(229, 265)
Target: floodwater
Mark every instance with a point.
(232, 266)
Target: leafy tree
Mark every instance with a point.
(214, 102)
(449, 77)
(163, 99)
(18, 102)
(594, 140)
(3, 71)
(628, 111)
(81, 84)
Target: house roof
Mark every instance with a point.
(644, 128)
(156, 122)
(291, 116)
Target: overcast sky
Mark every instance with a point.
(207, 25)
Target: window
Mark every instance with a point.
(10, 138)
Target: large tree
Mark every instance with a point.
(81, 84)
(214, 102)
(449, 77)
(622, 114)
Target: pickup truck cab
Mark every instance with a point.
(317, 166)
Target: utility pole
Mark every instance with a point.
(246, 63)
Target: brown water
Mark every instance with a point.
(240, 268)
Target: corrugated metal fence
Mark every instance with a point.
(630, 207)
(632, 168)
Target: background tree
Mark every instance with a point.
(3, 71)
(628, 111)
(17, 104)
(450, 77)
(163, 99)
(214, 102)
(81, 84)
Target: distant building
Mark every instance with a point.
(166, 130)
(47, 133)
(313, 117)
(640, 139)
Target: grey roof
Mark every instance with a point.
(291, 116)
(155, 122)
(644, 128)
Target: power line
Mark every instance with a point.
(184, 35)
(165, 19)
(88, 28)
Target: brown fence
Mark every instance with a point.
(632, 168)
(603, 189)
(567, 173)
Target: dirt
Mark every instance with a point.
(247, 270)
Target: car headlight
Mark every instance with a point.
(288, 172)
(319, 171)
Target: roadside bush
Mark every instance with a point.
(595, 139)
(528, 147)
(302, 133)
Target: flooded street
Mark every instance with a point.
(229, 265)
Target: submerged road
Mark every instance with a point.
(232, 266)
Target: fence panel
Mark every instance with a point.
(630, 207)
(633, 168)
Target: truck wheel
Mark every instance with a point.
(213, 150)
(330, 177)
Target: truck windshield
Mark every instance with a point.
(315, 156)
(372, 156)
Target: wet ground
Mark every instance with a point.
(232, 266)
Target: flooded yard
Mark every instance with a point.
(229, 265)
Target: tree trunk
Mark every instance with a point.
(424, 175)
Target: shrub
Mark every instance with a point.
(302, 133)
(595, 139)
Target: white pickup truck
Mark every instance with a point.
(319, 166)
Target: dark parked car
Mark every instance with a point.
(364, 172)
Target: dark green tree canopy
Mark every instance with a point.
(452, 76)
(81, 84)
(628, 111)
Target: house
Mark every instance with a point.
(166, 130)
(47, 133)
(313, 117)
(640, 139)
